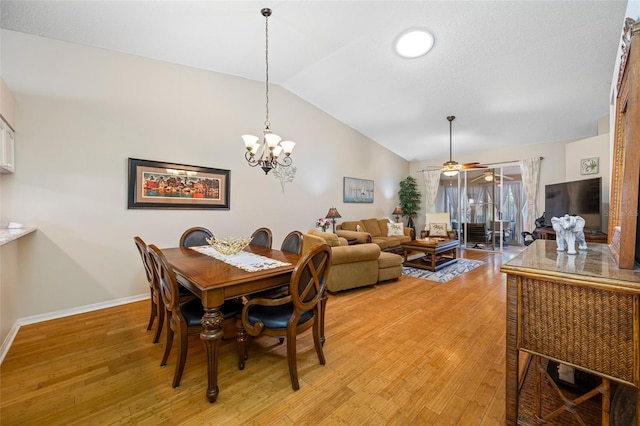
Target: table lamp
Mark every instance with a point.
(397, 212)
(333, 215)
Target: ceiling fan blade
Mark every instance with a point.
(476, 165)
(477, 178)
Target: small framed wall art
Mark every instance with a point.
(357, 190)
(160, 185)
(589, 166)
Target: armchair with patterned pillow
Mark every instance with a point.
(438, 225)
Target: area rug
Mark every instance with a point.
(445, 274)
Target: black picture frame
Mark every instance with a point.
(163, 185)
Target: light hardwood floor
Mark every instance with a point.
(406, 352)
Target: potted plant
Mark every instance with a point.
(409, 200)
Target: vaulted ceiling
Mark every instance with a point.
(512, 72)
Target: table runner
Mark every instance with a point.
(245, 260)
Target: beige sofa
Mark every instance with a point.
(374, 231)
(354, 265)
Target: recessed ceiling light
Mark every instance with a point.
(414, 43)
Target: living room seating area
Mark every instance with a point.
(386, 234)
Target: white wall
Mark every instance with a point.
(597, 146)
(81, 112)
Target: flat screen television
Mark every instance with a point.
(580, 197)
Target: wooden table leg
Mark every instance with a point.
(211, 336)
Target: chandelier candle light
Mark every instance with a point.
(267, 154)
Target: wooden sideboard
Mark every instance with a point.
(580, 310)
(590, 237)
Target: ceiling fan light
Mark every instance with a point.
(450, 172)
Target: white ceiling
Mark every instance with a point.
(512, 72)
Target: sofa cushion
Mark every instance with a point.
(395, 229)
(352, 225)
(372, 227)
(382, 224)
(391, 242)
(330, 238)
(383, 242)
(354, 254)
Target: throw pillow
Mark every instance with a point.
(395, 229)
(359, 228)
(438, 230)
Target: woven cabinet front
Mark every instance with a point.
(591, 328)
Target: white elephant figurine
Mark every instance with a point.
(569, 230)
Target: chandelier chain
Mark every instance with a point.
(266, 50)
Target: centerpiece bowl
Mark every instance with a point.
(229, 245)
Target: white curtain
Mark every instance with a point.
(475, 193)
(530, 170)
(452, 197)
(431, 182)
(517, 191)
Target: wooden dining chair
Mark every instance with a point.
(183, 318)
(262, 237)
(291, 314)
(292, 243)
(196, 236)
(157, 307)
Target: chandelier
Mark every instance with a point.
(268, 153)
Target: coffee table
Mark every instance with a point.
(439, 252)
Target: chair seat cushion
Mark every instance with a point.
(193, 311)
(389, 260)
(276, 317)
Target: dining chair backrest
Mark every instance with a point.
(292, 243)
(196, 236)
(166, 281)
(146, 260)
(262, 237)
(157, 307)
(309, 278)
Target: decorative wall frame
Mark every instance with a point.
(590, 166)
(357, 190)
(161, 185)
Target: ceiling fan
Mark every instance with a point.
(489, 175)
(451, 168)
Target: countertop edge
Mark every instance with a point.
(8, 235)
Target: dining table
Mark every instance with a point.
(214, 281)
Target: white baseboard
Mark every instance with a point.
(6, 344)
